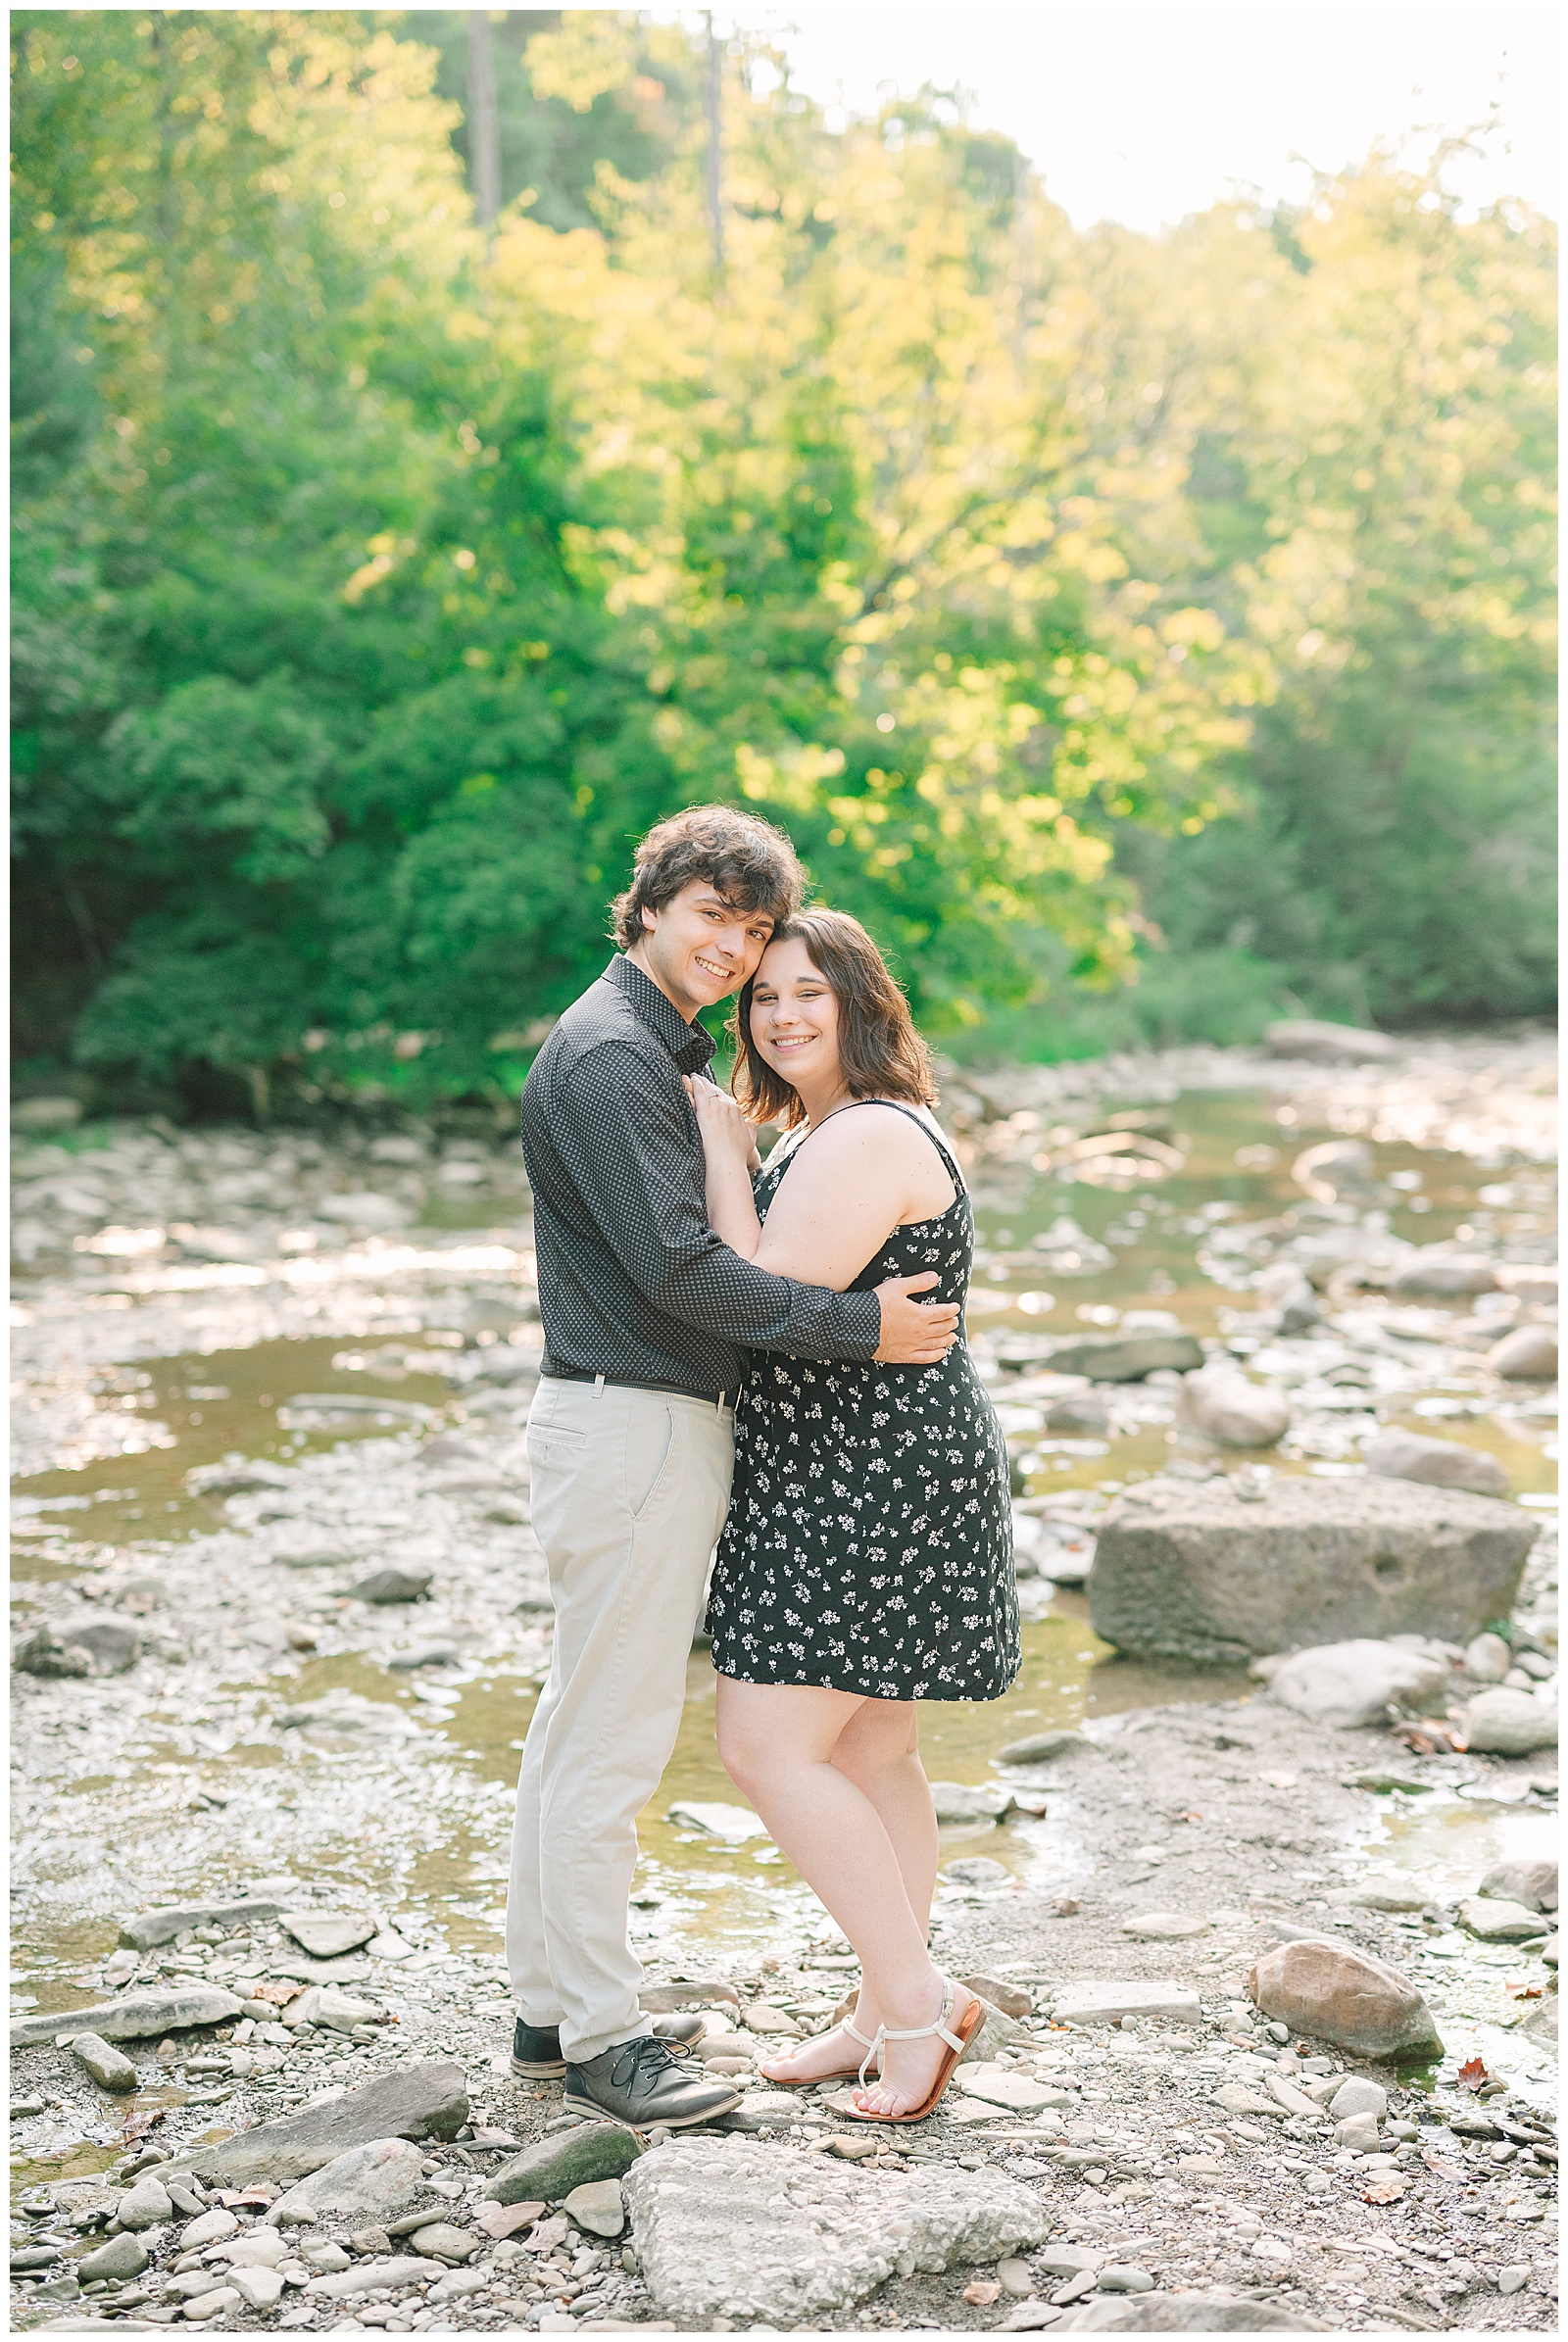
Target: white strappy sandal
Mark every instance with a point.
(957, 2043)
(846, 2025)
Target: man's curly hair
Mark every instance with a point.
(747, 860)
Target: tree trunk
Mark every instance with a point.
(484, 120)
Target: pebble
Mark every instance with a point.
(209, 2227)
(381, 2177)
(1344, 1996)
(1440, 1463)
(1515, 2278)
(145, 2205)
(1125, 2276)
(327, 1934)
(1497, 1922)
(1358, 2096)
(1164, 1927)
(1226, 1407)
(122, 2256)
(442, 2242)
(260, 2288)
(392, 1586)
(1505, 1723)
(554, 2165)
(598, 2207)
(1531, 1883)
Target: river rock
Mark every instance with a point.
(1506, 1722)
(1189, 1570)
(258, 2288)
(1013, 2000)
(1497, 1922)
(1443, 1274)
(1002, 2085)
(1531, 1883)
(380, 2178)
(1527, 1356)
(415, 2102)
(1437, 1463)
(121, 2258)
(734, 1823)
(600, 2206)
(1041, 1747)
(1487, 1658)
(110, 2068)
(392, 1586)
(44, 1654)
(554, 2165)
(963, 1801)
(440, 2241)
(152, 1927)
(1126, 1357)
(1108, 2003)
(1164, 1927)
(1359, 2096)
(33, 1114)
(367, 1210)
(328, 2005)
(1083, 1411)
(1226, 1407)
(745, 2231)
(1348, 1684)
(137, 2017)
(1343, 1996)
(1389, 1891)
(1323, 1043)
(1185, 2314)
(327, 1934)
(370, 2276)
(236, 1478)
(145, 2205)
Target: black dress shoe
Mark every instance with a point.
(537, 2054)
(641, 2082)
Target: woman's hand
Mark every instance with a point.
(724, 1130)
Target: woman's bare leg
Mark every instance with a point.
(777, 1742)
(879, 1749)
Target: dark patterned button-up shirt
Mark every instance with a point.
(633, 1282)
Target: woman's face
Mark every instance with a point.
(795, 1016)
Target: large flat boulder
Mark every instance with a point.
(416, 2102)
(1190, 1570)
(743, 2231)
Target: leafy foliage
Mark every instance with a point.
(1088, 606)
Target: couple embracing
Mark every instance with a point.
(769, 1359)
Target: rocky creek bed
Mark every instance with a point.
(285, 1653)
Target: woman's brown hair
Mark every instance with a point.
(881, 1054)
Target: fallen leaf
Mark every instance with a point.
(1383, 2191)
(278, 1994)
(1473, 2074)
(140, 2122)
(1519, 1990)
(1444, 2170)
(982, 2293)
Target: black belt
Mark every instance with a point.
(633, 1382)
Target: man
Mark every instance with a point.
(630, 1447)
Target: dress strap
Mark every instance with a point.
(920, 1123)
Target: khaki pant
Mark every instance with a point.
(630, 1488)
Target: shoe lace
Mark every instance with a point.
(646, 2060)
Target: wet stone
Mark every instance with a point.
(138, 2017)
(110, 2068)
(328, 1933)
(388, 1585)
(552, 2168)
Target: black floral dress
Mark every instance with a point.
(868, 1545)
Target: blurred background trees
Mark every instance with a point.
(1144, 636)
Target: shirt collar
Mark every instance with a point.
(690, 1045)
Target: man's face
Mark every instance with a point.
(699, 949)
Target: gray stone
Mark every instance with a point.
(44, 1654)
(46, 1114)
(122, 2256)
(1527, 1356)
(415, 2102)
(599, 2206)
(329, 2006)
(424, 1654)
(152, 1927)
(392, 1586)
(1125, 2276)
(381, 2177)
(1323, 1043)
(1358, 2096)
(1185, 2314)
(236, 1478)
(960, 1801)
(327, 1934)
(369, 2276)
(1487, 1658)
(761, 2232)
(1041, 1747)
(1443, 1274)
(258, 2288)
(1226, 1407)
(1187, 1570)
(1079, 1411)
(1436, 1463)
(1505, 1723)
(1540, 2025)
(1106, 2003)
(440, 2241)
(134, 2019)
(552, 2168)
(112, 1647)
(1533, 1883)
(1338, 1994)
(145, 2205)
(1350, 1684)
(110, 2068)
(1164, 1927)
(1497, 1922)
(1126, 1357)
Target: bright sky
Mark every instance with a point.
(1143, 115)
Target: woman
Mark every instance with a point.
(867, 1561)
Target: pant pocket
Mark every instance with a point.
(650, 1455)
